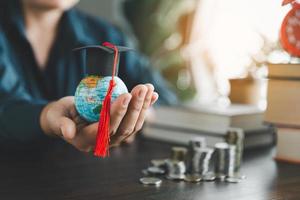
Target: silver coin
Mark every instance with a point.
(208, 177)
(197, 143)
(156, 170)
(221, 177)
(175, 167)
(242, 177)
(158, 162)
(179, 153)
(150, 181)
(192, 178)
(175, 177)
(145, 172)
(232, 180)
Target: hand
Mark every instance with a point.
(128, 111)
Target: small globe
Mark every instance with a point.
(90, 95)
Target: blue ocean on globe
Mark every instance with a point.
(91, 92)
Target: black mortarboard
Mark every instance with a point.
(98, 60)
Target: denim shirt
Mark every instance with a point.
(25, 89)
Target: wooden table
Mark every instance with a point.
(57, 171)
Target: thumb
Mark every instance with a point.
(67, 128)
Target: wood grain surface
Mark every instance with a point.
(56, 170)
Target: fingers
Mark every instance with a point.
(127, 117)
(67, 128)
(153, 98)
(87, 137)
(118, 111)
(146, 105)
(85, 140)
(130, 139)
(128, 123)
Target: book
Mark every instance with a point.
(284, 71)
(209, 118)
(254, 138)
(283, 106)
(288, 148)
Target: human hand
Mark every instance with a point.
(128, 112)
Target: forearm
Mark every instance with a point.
(20, 120)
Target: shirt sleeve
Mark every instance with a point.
(19, 112)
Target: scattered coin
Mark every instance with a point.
(221, 177)
(145, 172)
(175, 177)
(232, 180)
(242, 177)
(155, 170)
(158, 162)
(192, 178)
(150, 181)
(208, 177)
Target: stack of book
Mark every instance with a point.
(283, 109)
(181, 124)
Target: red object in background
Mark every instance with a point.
(290, 30)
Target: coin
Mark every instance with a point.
(175, 167)
(197, 143)
(242, 177)
(175, 177)
(192, 178)
(145, 172)
(179, 153)
(155, 170)
(235, 136)
(208, 177)
(158, 162)
(232, 180)
(150, 181)
(221, 177)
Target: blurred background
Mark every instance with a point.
(209, 50)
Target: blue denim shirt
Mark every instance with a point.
(25, 90)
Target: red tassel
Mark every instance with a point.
(102, 140)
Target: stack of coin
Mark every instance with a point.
(225, 160)
(197, 143)
(201, 161)
(194, 145)
(179, 153)
(230, 169)
(176, 169)
(235, 136)
(199, 158)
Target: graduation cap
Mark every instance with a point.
(103, 60)
(99, 59)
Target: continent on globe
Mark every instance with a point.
(91, 81)
(91, 92)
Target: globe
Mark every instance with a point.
(90, 95)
